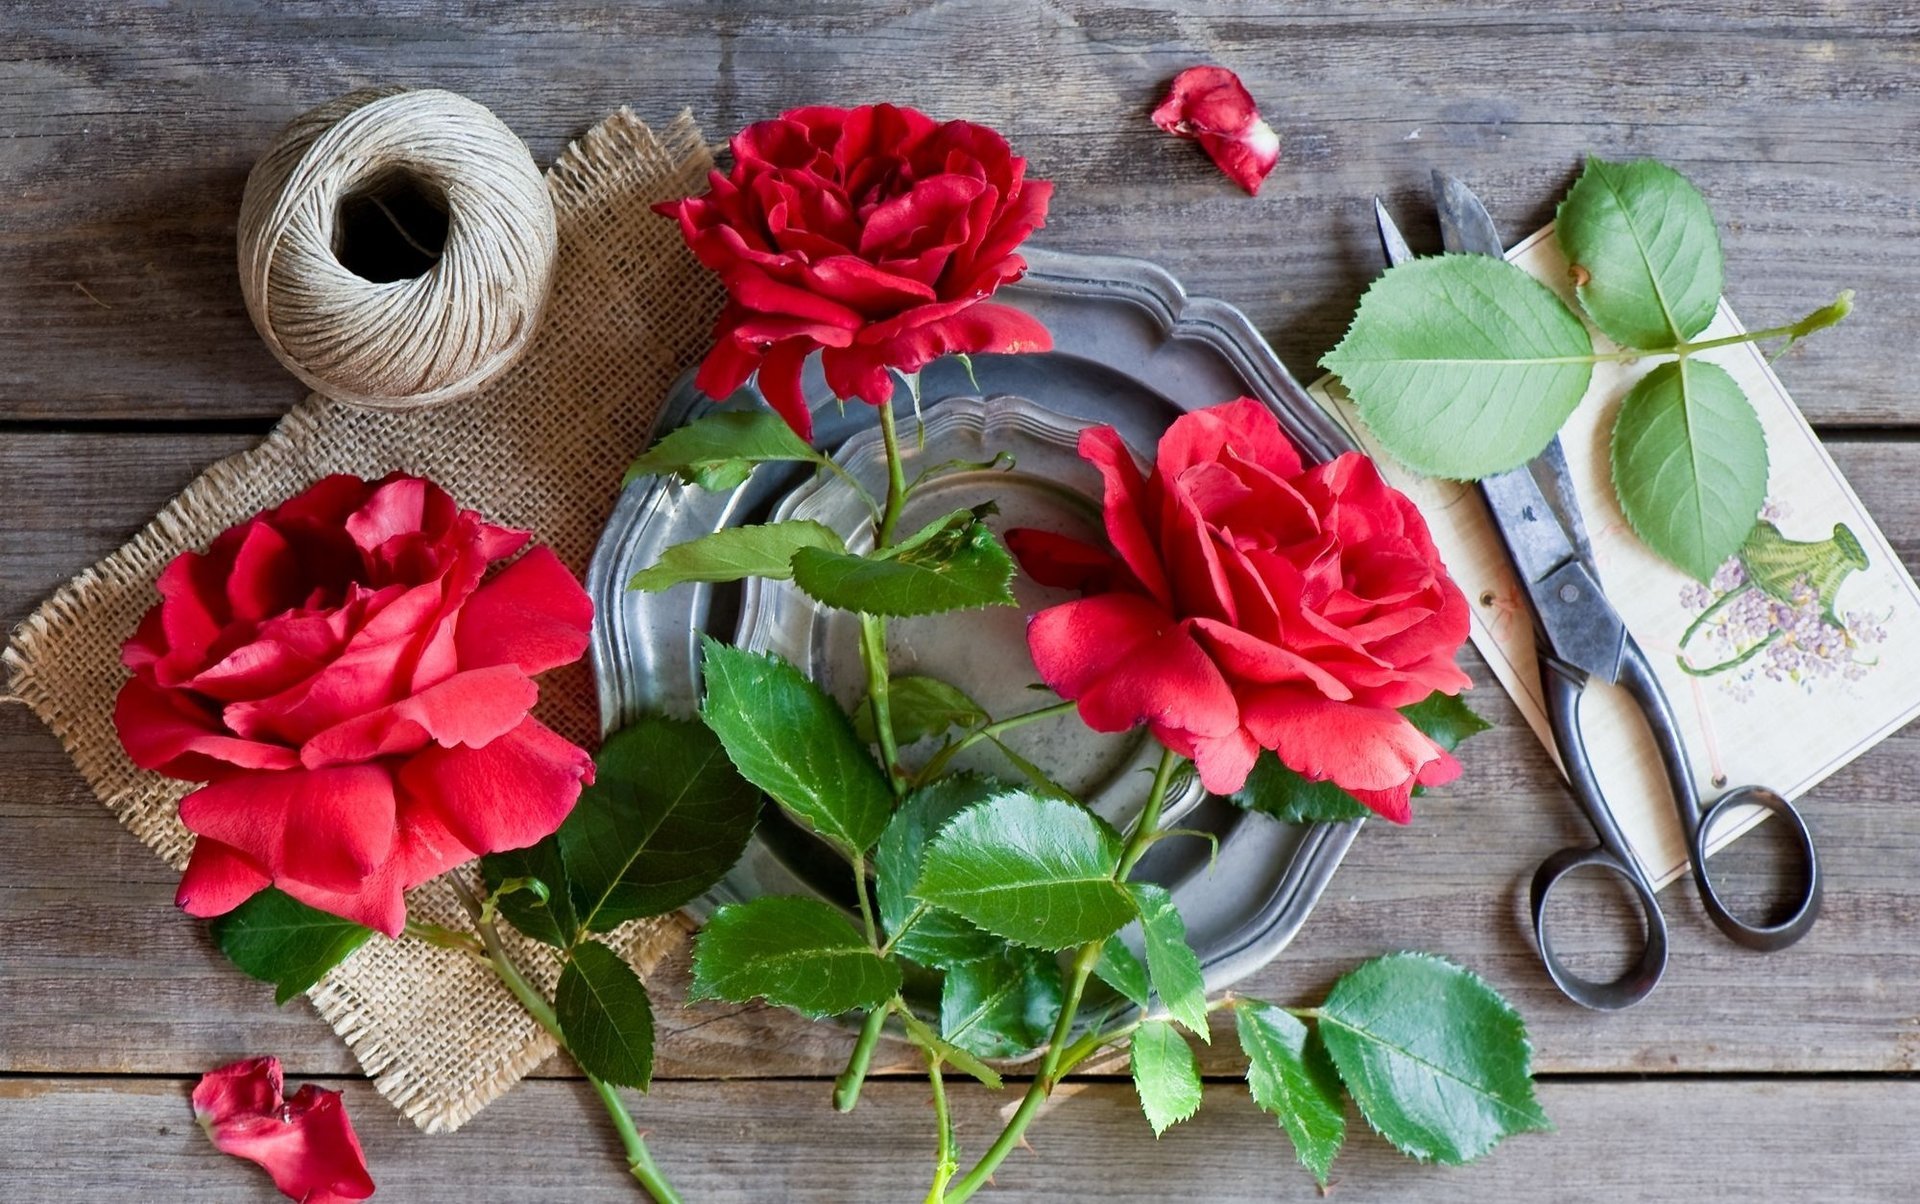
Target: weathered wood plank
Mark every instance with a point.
(67, 1141)
(128, 132)
(99, 973)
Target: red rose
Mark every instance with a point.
(1254, 604)
(355, 697)
(306, 1143)
(875, 233)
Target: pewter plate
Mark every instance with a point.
(1131, 350)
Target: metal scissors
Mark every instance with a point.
(1580, 637)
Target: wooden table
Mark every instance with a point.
(127, 363)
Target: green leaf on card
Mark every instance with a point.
(1166, 1075)
(953, 563)
(798, 953)
(736, 552)
(1001, 1006)
(1438, 1062)
(278, 939)
(1463, 365)
(786, 736)
(920, 707)
(666, 818)
(1122, 971)
(1037, 871)
(937, 937)
(1644, 252)
(720, 450)
(1690, 464)
(1291, 1076)
(604, 1013)
(1172, 965)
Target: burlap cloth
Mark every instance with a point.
(543, 448)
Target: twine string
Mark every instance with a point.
(415, 341)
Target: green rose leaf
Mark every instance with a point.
(1001, 1006)
(1690, 464)
(1275, 790)
(786, 736)
(736, 552)
(1446, 719)
(1122, 971)
(278, 939)
(1290, 1076)
(720, 450)
(1172, 965)
(797, 953)
(551, 919)
(954, 563)
(937, 937)
(666, 817)
(604, 1013)
(1463, 365)
(1166, 1075)
(1437, 1061)
(920, 707)
(1644, 252)
(1037, 871)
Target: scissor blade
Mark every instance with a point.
(1551, 474)
(1464, 223)
(1578, 624)
(1392, 242)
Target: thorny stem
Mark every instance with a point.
(846, 1089)
(873, 650)
(639, 1160)
(896, 479)
(1049, 1072)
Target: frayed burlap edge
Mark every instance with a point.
(541, 448)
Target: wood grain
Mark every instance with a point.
(125, 136)
(781, 1141)
(87, 910)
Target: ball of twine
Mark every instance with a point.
(426, 338)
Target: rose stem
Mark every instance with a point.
(873, 650)
(640, 1161)
(946, 1160)
(992, 730)
(1048, 1073)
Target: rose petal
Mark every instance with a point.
(326, 827)
(1370, 750)
(1243, 427)
(1124, 507)
(305, 1144)
(1062, 562)
(471, 708)
(218, 879)
(167, 731)
(780, 377)
(1126, 661)
(1210, 105)
(532, 614)
(506, 795)
(423, 850)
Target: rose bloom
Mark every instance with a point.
(875, 233)
(306, 1143)
(1254, 603)
(355, 691)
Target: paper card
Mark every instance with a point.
(1774, 694)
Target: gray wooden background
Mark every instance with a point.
(127, 363)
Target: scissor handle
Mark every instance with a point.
(1564, 687)
(1636, 675)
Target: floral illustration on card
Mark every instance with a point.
(1772, 612)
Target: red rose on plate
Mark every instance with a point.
(355, 692)
(306, 1143)
(1254, 603)
(875, 233)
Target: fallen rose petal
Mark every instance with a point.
(306, 1144)
(1210, 106)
